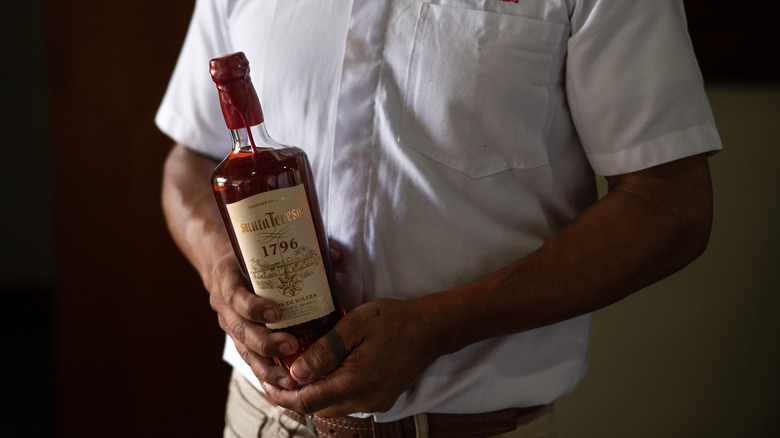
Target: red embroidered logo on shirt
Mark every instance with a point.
(510, 1)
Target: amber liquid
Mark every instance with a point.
(244, 174)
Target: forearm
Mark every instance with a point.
(190, 211)
(648, 226)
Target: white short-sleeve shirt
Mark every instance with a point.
(450, 138)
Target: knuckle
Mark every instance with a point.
(222, 323)
(227, 289)
(238, 330)
(320, 354)
(264, 343)
(303, 405)
(261, 374)
(214, 301)
(231, 294)
(225, 268)
(244, 353)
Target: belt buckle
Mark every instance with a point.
(310, 424)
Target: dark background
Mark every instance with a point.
(107, 330)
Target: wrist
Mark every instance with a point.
(441, 323)
(471, 313)
(210, 251)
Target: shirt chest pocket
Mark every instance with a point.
(478, 89)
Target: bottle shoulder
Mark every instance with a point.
(264, 165)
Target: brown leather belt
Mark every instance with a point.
(438, 425)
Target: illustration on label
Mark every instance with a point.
(287, 274)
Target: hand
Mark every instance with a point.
(364, 364)
(241, 315)
(197, 228)
(239, 312)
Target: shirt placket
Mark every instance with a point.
(355, 145)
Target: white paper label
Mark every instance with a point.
(279, 245)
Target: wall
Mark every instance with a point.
(137, 347)
(26, 252)
(697, 354)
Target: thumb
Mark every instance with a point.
(320, 358)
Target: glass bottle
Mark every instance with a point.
(266, 195)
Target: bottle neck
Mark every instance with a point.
(252, 139)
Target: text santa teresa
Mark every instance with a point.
(271, 220)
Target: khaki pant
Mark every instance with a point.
(248, 414)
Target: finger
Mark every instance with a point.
(335, 256)
(336, 395)
(239, 310)
(311, 398)
(256, 337)
(337, 410)
(320, 358)
(231, 291)
(264, 368)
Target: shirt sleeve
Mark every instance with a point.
(634, 86)
(190, 113)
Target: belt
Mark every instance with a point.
(437, 425)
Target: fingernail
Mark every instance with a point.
(300, 370)
(286, 349)
(269, 315)
(284, 382)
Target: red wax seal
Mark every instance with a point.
(237, 95)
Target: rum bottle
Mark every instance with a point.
(268, 202)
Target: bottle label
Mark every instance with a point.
(279, 245)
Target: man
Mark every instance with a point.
(454, 144)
